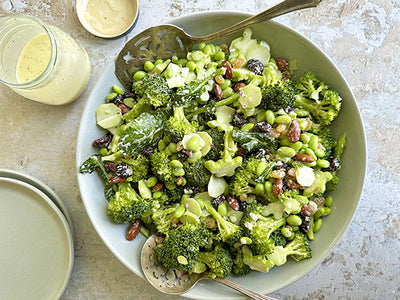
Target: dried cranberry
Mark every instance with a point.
(239, 120)
(255, 66)
(217, 201)
(241, 152)
(242, 205)
(261, 153)
(282, 64)
(147, 151)
(123, 170)
(103, 141)
(263, 126)
(117, 100)
(306, 224)
(334, 163)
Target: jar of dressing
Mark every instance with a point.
(40, 61)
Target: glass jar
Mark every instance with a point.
(40, 61)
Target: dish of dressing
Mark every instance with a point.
(107, 18)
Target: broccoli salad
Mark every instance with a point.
(222, 154)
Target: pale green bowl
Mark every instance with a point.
(285, 43)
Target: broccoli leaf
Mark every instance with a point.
(145, 130)
(251, 140)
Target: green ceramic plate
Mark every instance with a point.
(36, 249)
(286, 43)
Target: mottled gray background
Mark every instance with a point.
(362, 37)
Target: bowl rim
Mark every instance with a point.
(363, 155)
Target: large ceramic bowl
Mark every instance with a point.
(286, 43)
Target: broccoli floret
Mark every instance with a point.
(279, 95)
(316, 97)
(219, 262)
(327, 140)
(163, 217)
(177, 125)
(259, 228)
(161, 167)
(298, 249)
(196, 173)
(140, 165)
(278, 238)
(290, 204)
(239, 268)
(228, 163)
(181, 247)
(127, 206)
(175, 195)
(229, 232)
(217, 144)
(153, 89)
(256, 262)
(331, 185)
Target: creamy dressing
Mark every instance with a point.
(110, 17)
(34, 58)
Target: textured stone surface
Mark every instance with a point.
(361, 36)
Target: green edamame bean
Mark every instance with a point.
(227, 92)
(327, 210)
(169, 73)
(245, 240)
(287, 151)
(283, 119)
(158, 62)
(179, 211)
(222, 209)
(323, 163)
(301, 199)
(196, 155)
(201, 46)
(268, 186)
(178, 172)
(313, 143)
(220, 55)
(294, 220)
(157, 194)
(328, 201)
(162, 145)
(220, 71)
(182, 62)
(152, 181)
(174, 59)
(261, 116)
(117, 89)
(227, 83)
(172, 147)
(319, 213)
(302, 124)
(111, 96)
(197, 55)
(284, 141)
(176, 164)
(103, 151)
(148, 66)
(247, 127)
(130, 102)
(287, 232)
(262, 165)
(317, 225)
(170, 185)
(305, 137)
(194, 143)
(191, 65)
(292, 115)
(319, 152)
(310, 152)
(168, 151)
(270, 116)
(139, 75)
(296, 146)
(259, 189)
(207, 50)
(302, 113)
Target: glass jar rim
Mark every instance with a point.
(53, 55)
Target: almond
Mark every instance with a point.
(277, 187)
(133, 230)
(294, 131)
(233, 203)
(305, 158)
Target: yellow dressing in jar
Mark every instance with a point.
(110, 17)
(34, 58)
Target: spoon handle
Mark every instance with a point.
(251, 294)
(275, 11)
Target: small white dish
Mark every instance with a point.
(36, 248)
(107, 18)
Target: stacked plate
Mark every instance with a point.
(36, 242)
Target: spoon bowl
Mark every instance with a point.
(176, 282)
(165, 41)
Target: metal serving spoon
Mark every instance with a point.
(173, 282)
(165, 41)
